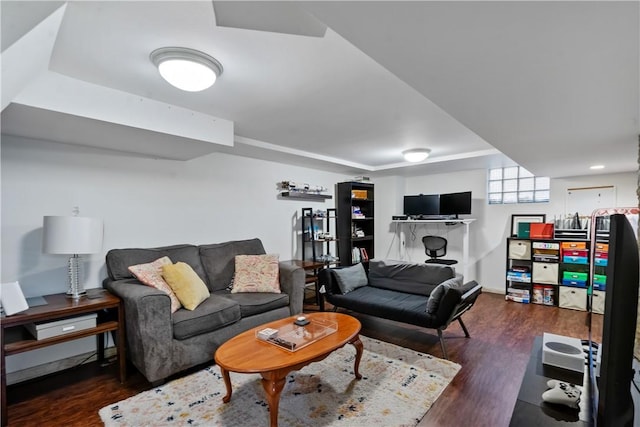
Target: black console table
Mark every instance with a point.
(531, 410)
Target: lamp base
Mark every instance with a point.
(76, 295)
(76, 290)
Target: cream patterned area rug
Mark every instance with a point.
(397, 388)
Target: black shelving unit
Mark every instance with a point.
(356, 225)
(319, 235)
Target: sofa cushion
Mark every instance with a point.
(255, 302)
(256, 273)
(189, 288)
(350, 278)
(436, 296)
(151, 275)
(119, 260)
(415, 278)
(385, 303)
(218, 260)
(214, 313)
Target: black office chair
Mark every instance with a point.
(436, 248)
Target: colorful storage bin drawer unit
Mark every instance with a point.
(601, 262)
(573, 298)
(599, 281)
(574, 245)
(519, 249)
(575, 260)
(573, 278)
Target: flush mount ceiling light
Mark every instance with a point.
(416, 154)
(596, 167)
(186, 69)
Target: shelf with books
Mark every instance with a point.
(356, 237)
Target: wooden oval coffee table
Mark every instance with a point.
(245, 353)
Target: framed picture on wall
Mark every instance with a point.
(517, 219)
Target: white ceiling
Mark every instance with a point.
(342, 86)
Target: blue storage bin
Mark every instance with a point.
(575, 260)
(574, 283)
(602, 262)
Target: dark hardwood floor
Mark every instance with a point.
(482, 394)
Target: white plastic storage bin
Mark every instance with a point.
(573, 298)
(597, 303)
(519, 249)
(544, 272)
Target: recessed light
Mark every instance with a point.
(416, 154)
(595, 167)
(187, 69)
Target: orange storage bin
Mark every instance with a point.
(602, 247)
(574, 245)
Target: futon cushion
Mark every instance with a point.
(218, 260)
(151, 275)
(189, 288)
(119, 260)
(350, 278)
(256, 273)
(387, 304)
(214, 313)
(255, 302)
(416, 278)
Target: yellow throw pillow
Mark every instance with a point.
(256, 273)
(187, 285)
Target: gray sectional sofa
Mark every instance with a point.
(161, 344)
(427, 295)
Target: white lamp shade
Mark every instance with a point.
(72, 235)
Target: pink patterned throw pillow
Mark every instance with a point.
(151, 275)
(256, 273)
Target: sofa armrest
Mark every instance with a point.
(327, 281)
(456, 301)
(148, 323)
(292, 283)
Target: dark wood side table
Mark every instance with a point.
(16, 339)
(313, 267)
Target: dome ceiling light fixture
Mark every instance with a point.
(187, 69)
(416, 154)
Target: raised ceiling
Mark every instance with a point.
(343, 86)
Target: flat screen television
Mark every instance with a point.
(454, 204)
(422, 205)
(612, 401)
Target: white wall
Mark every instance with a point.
(146, 202)
(492, 226)
(143, 203)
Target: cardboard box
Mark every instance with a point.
(358, 194)
(43, 330)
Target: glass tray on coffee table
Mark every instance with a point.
(292, 337)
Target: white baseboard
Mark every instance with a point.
(56, 366)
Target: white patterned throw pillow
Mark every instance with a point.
(151, 275)
(256, 273)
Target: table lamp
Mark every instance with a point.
(72, 235)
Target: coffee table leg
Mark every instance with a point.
(273, 387)
(227, 383)
(359, 348)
